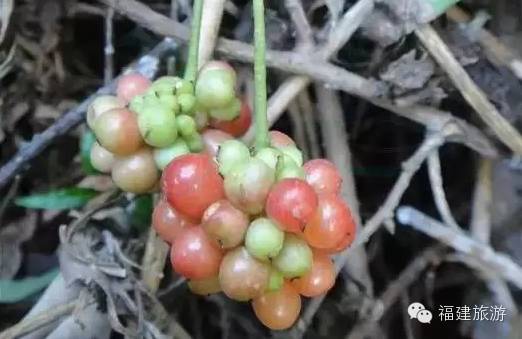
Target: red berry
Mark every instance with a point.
(279, 139)
(213, 138)
(323, 176)
(225, 224)
(330, 224)
(291, 203)
(194, 255)
(243, 277)
(117, 131)
(278, 310)
(131, 85)
(342, 245)
(191, 183)
(319, 279)
(239, 125)
(168, 222)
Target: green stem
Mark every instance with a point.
(191, 69)
(260, 105)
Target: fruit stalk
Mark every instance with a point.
(191, 68)
(260, 103)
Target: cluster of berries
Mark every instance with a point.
(147, 124)
(257, 225)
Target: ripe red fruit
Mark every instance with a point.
(278, 310)
(191, 183)
(131, 85)
(291, 203)
(194, 255)
(213, 138)
(319, 279)
(330, 224)
(323, 176)
(117, 131)
(342, 245)
(168, 222)
(279, 139)
(225, 224)
(241, 276)
(239, 125)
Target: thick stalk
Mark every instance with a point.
(191, 68)
(260, 101)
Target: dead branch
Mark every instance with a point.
(471, 92)
(30, 324)
(460, 241)
(437, 187)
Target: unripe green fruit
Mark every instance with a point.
(101, 159)
(276, 280)
(163, 156)
(215, 88)
(227, 113)
(157, 125)
(201, 119)
(264, 239)
(186, 125)
(184, 87)
(231, 154)
(187, 103)
(195, 142)
(287, 168)
(295, 258)
(165, 85)
(170, 101)
(100, 105)
(270, 156)
(294, 153)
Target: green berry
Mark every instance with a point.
(276, 280)
(231, 154)
(187, 103)
(184, 87)
(270, 156)
(295, 258)
(287, 168)
(163, 156)
(186, 125)
(264, 239)
(195, 142)
(294, 153)
(170, 101)
(137, 103)
(201, 119)
(227, 113)
(215, 88)
(157, 125)
(165, 85)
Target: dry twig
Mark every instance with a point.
(503, 265)
(471, 92)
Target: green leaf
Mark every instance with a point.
(60, 199)
(86, 143)
(139, 212)
(12, 291)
